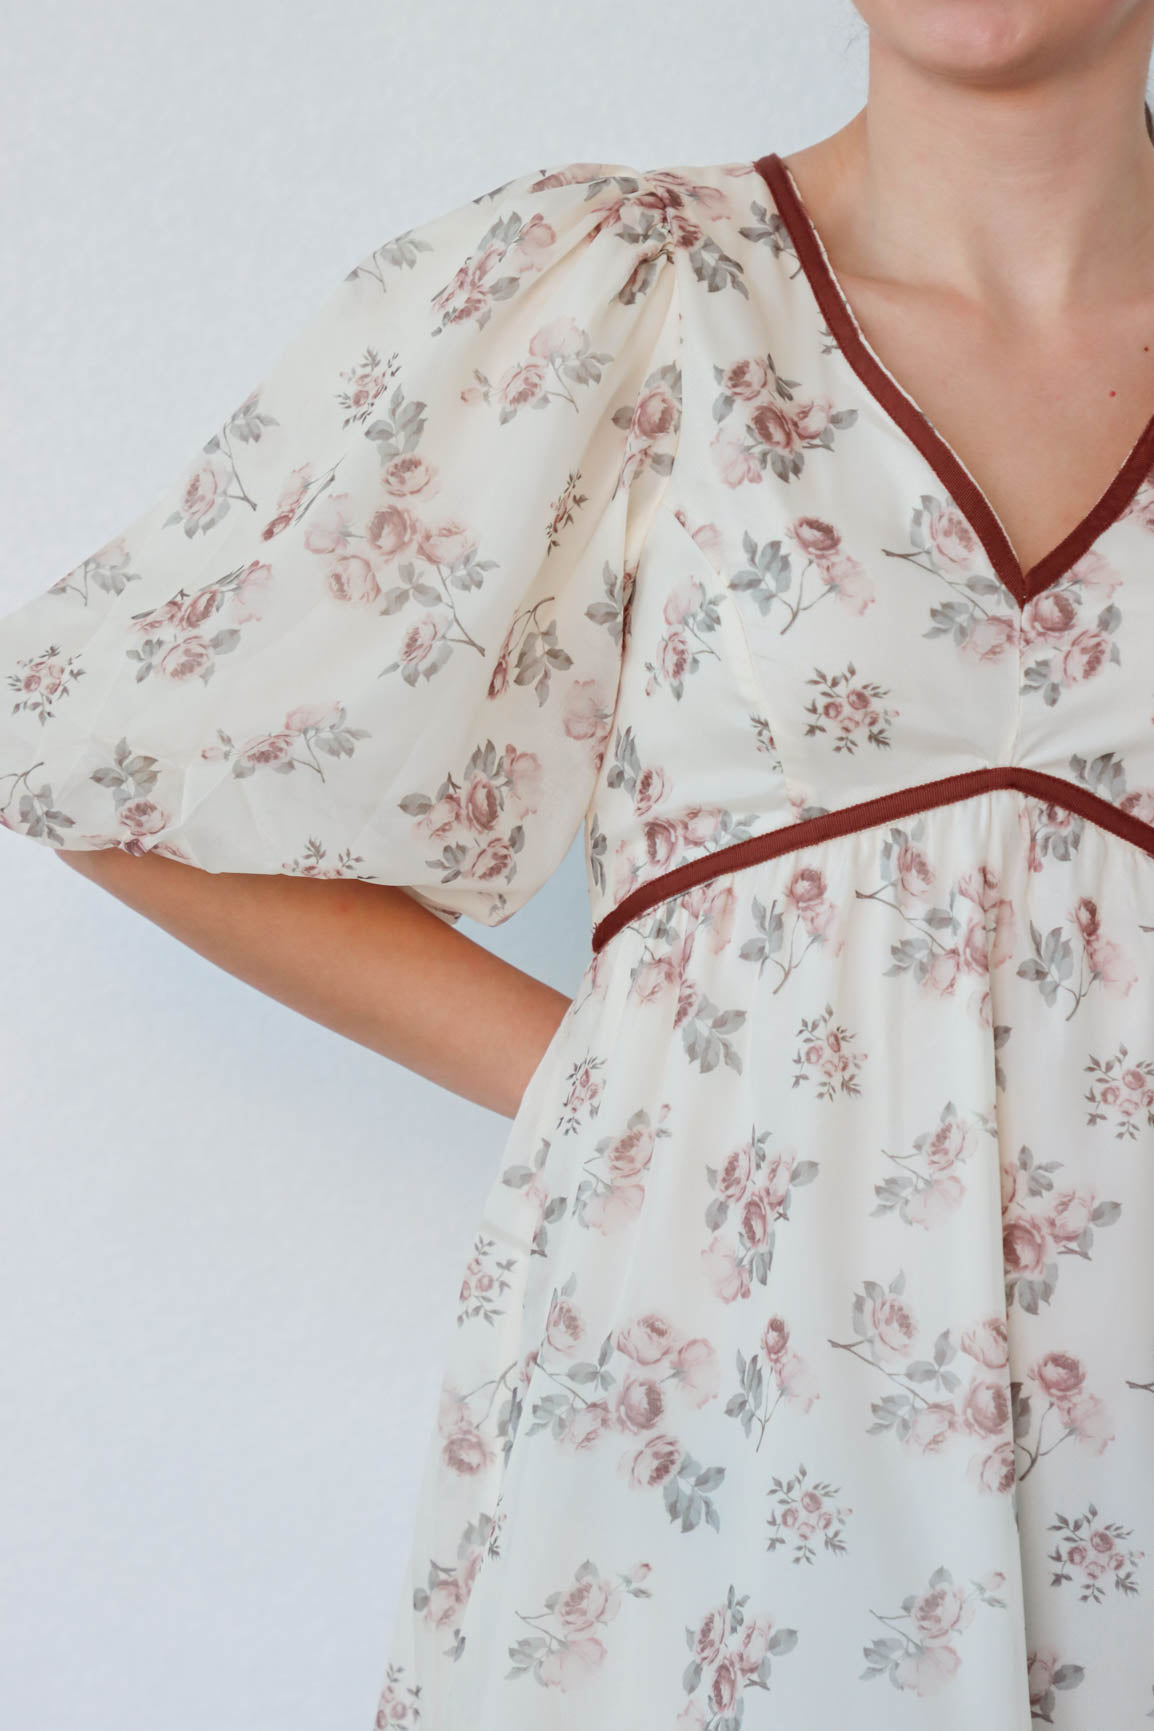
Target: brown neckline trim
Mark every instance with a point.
(969, 498)
(867, 814)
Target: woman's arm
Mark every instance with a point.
(364, 959)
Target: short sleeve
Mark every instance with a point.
(374, 628)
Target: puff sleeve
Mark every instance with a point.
(374, 628)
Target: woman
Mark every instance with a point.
(789, 524)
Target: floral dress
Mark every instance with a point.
(802, 1370)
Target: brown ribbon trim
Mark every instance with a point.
(866, 814)
(969, 498)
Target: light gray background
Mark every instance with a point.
(231, 1240)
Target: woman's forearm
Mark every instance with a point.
(364, 959)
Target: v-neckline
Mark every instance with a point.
(968, 497)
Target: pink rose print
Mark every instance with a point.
(653, 425)
(1086, 949)
(913, 874)
(671, 205)
(444, 1598)
(208, 491)
(392, 530)
(351, 579)
(806, 1515)
(401, 558)
(510, 253)
(670, 932)
(580, 1105)
(1121, 1091)
(707, 1030)
(44, 681)
(784, 1376)
(477, 821)
(978, 615)
(1058, 1380)
(703, 914)
(1053, 832)
(205, 501)
(298, 491)
(810, 915)
(1041, 1224)
(306, 730)
(988, 1342)
(928, 1185)
(567, 1642)
(731, 1651)
(690, 615)
(399, 1703)
(922, 1655)
(365, 383)
(472, 1426)
(612, 614)
(845, 577)
(530, 653)
(130, 778)
(558, 364)
(107, 571)
(765, 742)
(956, 941)
(1094, 1554)
(1066, 634)
(586, 714)
(755, 1186)
(395, 527)
(484, 1283)
(1047, 1674)
(849, 710)
(311, 862)
(583, 1091)
(768, 427)
(176, 641)
(712, 907)
(928, 1407)
(662, 971)
(614, 1190)
(565, 1327)
(768, 578)
(825, 1057)
(465, 1451)
(646, 1370)
(647, 785)
(707, 537)
(659, 842)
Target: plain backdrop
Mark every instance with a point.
(231, 1241)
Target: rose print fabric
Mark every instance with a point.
(374, 629)
(802, 1368)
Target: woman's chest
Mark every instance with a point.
(834, 618)
(822, 618)
(1043, 426)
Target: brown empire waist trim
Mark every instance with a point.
(792, 837)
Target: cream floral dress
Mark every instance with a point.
(802, 1371)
